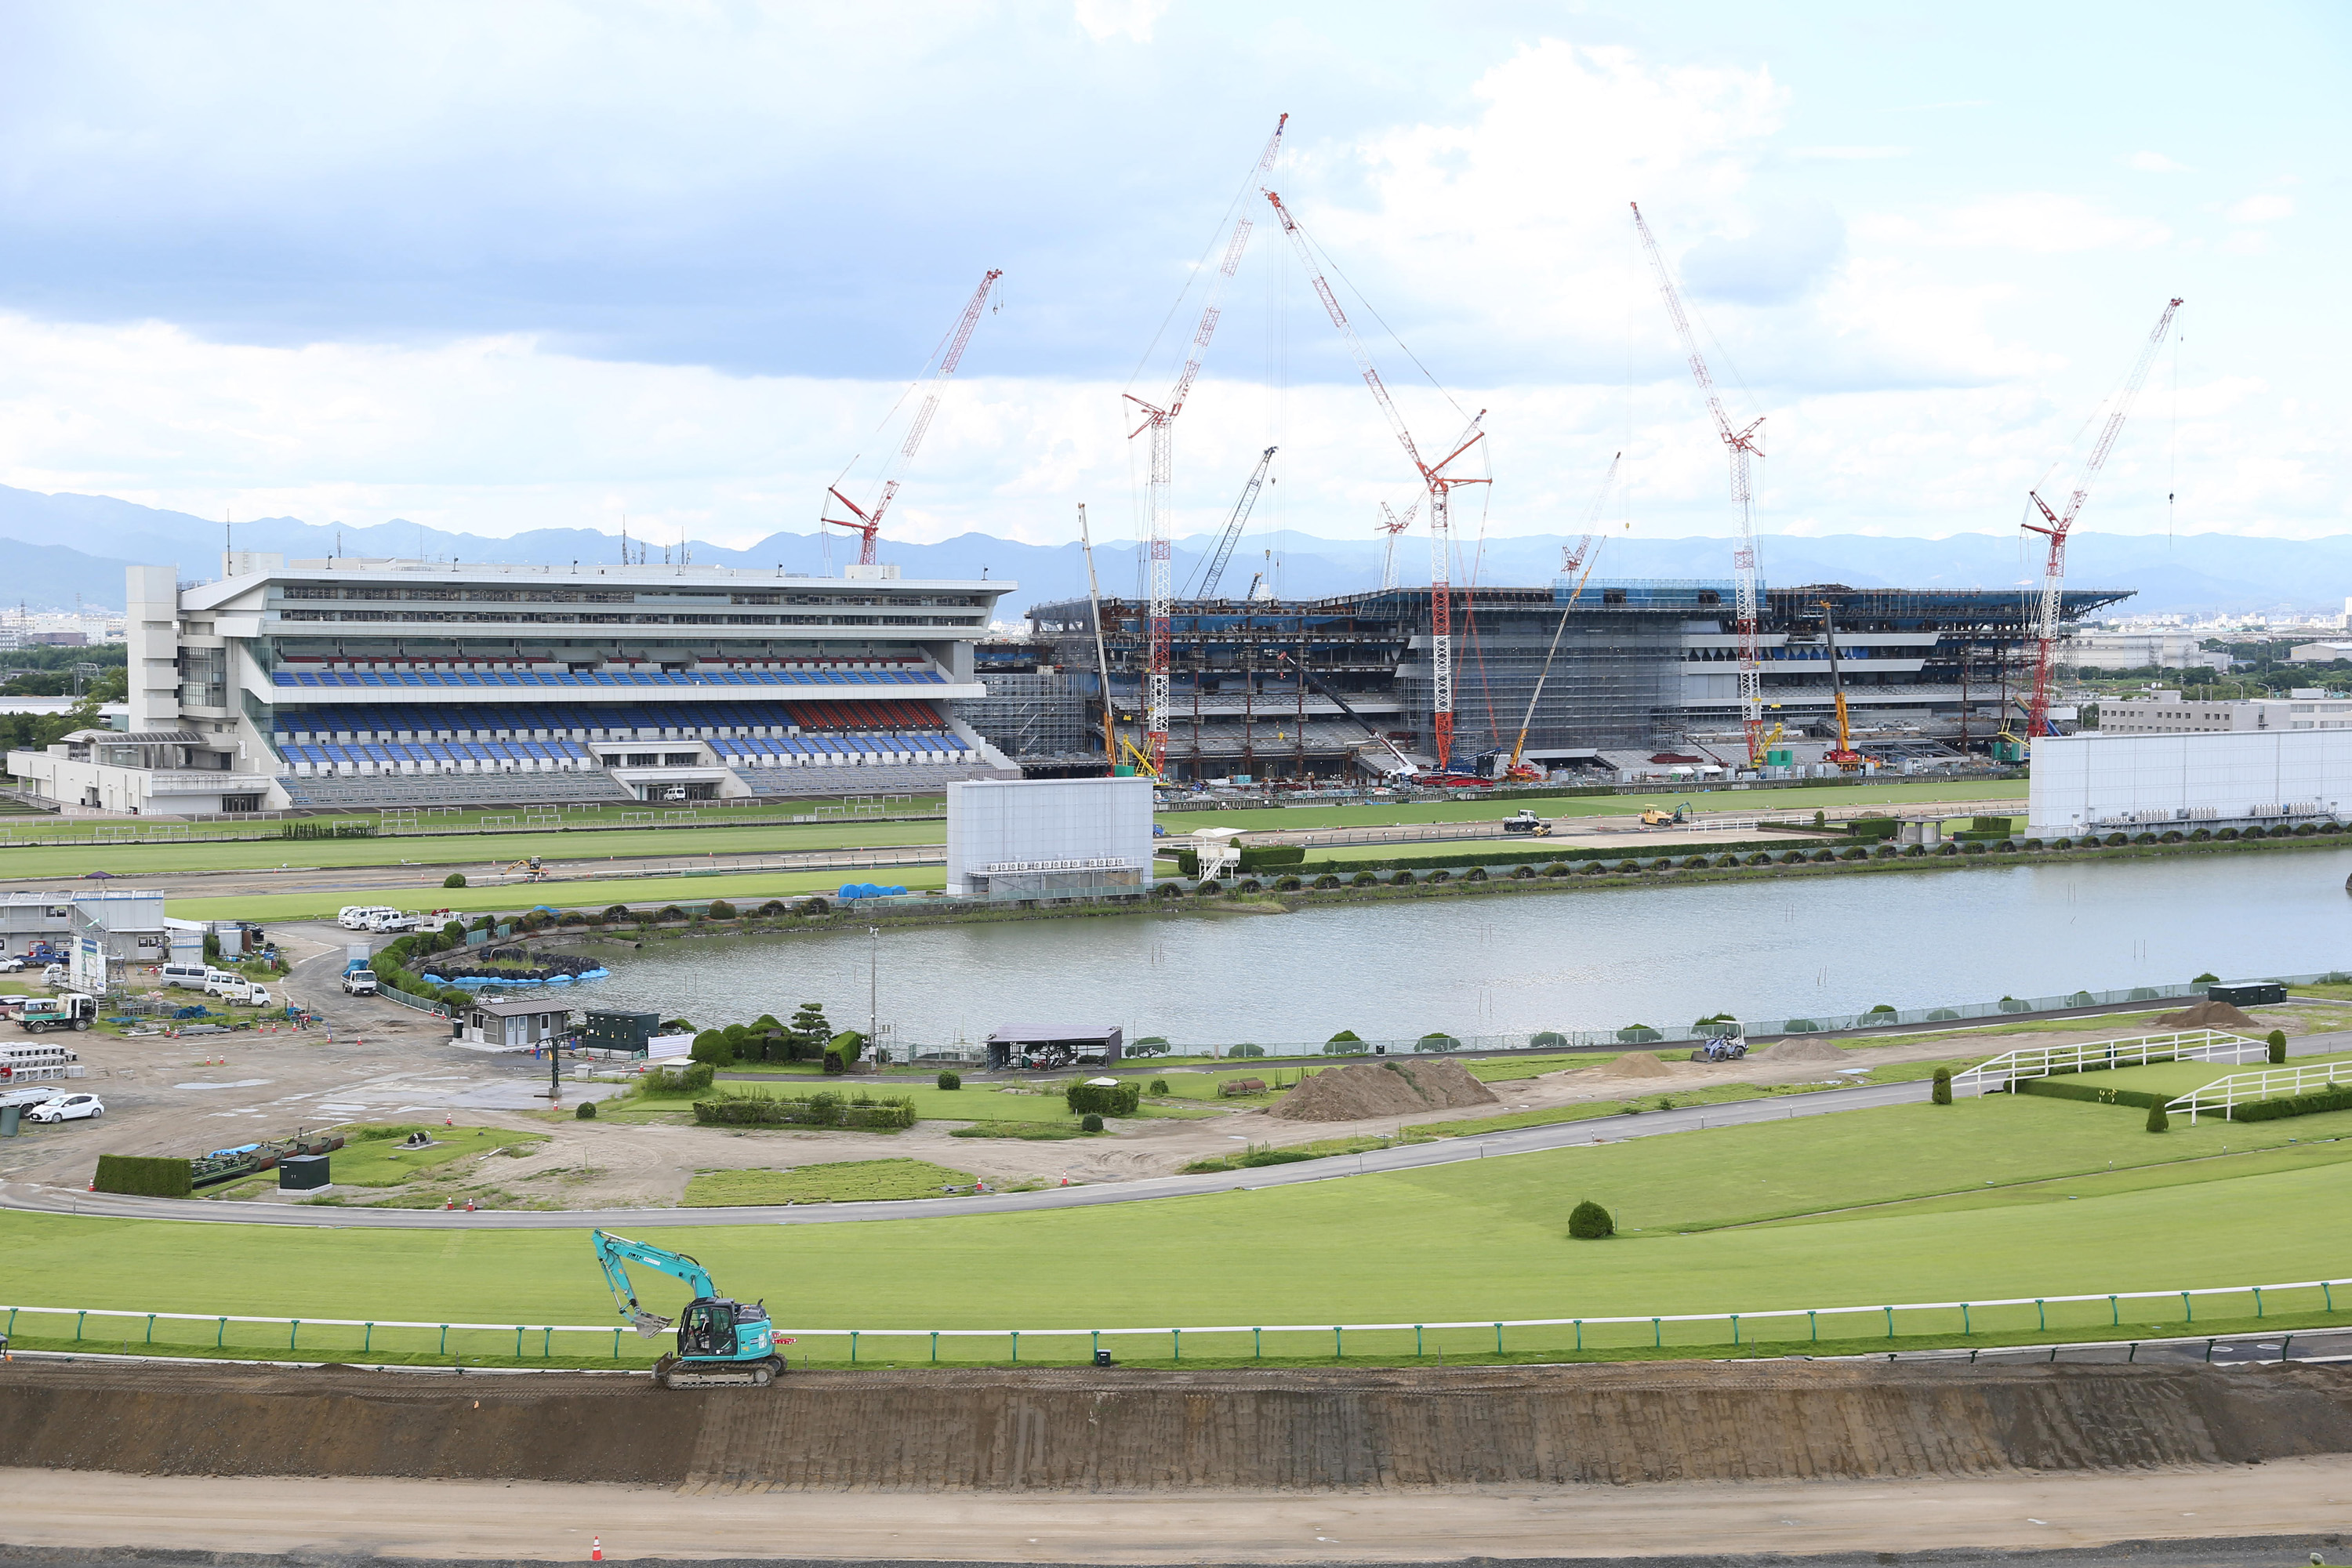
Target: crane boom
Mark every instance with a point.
(1391, 525)
(869, 523)
(2057, 525)
(1571, 558)
(1160, 420)
(1215, 568)
(616, 1253)
(1440, 485)
(1102, 659)
(1741, 444)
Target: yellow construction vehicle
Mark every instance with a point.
(1654, 818)
(533, 870)
(1143, 764)
(1847, 759)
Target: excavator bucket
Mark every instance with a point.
(652, 1325)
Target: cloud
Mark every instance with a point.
(1787, 252)
(2041, 222)
(1128, 19)
(1846, 154)
(2155, 163)
(2262, 209)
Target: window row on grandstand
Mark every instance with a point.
(611, 678)
(550, 756)
(596, 721)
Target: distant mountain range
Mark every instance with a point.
(2193, 575)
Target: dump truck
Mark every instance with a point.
(69, 1010)
(1528, 823)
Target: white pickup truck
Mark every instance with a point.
(358, 982)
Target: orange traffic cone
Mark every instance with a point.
(595, 1549)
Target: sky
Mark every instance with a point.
(540, 265)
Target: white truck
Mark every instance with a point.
(230, 986)
(359, 982)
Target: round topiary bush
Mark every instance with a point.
(1884, 852)
(1440, 876)
(1559, 868)
(454, 879)
(1401, 880)
(1288, 884)
(1588, 1221)
(2226, 833)
(1325, 882)
(951, 1080)
(1759, 860)
(1090, 1123)
(619, 912)
(1209, 888)
(670, 913)
(1475, 874)
(1591, 868)
(1158, 1089)
(773, 907)
(1914, 851)
(587, 1112)
(1363, 879)
(1972, 847)
(2202, 835)
(720, 909)
(2145, 838)
(572, 918)
(1523, 873)
(1947, 849)
(2174, 837)
(2158, 1122)
(1249, 884)
(1942, 1094)
(1824, 856)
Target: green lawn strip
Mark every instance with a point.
(1034, 1132)
(1835, 799)
(1260, 1154)
(852, 1181)
(636, 893)
(2165, 1077)
(1716, 1094)
(379, 1160)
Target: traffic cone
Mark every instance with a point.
(595, 1549)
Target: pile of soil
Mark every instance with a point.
(1364, 1090)
(2209, 1015)
(1802, 1049)
(1634, 1063)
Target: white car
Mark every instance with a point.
(11, 966)
(70, 1108)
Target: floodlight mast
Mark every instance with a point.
(1440, 485)
(1741, 444)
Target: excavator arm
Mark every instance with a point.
(616, 1253)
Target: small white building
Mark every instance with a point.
(2169, 713)
(1050, 838)
(2154, 650)
(2103, 782)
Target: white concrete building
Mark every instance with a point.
(1050, 838)
(2157, 649)
(2138, 783)
(399, 683)
(2319, 652)
(2168, 713)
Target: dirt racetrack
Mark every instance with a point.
(1090, 1430)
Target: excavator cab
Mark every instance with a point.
(714, 1330)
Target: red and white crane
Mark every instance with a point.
(1439, 483)
(868, 522)
(2056, 525)
(1391, 525)
(1741, 443)
(1160, 418)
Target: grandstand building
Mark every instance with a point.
(350, 682)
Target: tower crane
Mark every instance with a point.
(1392, 525)
(1160, 420)
(2056, 525)
(868, 522)
(1741, 443)
(1439, 483)
(1215, 568)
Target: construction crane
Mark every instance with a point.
(1439, 483)
(1102, 659)
(1392, 525)
(869, 521)
(1741, 444)
(1205, 585)
(1847, 759)
(1312, 680)
(721, 1343)
(1581, 553)
(2056, 525)
(1159, 419)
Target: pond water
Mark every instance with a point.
(1509, 964)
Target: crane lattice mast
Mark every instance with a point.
(1214, 571)
(869, 523)
(1160, 420)
(1434, 476)
(2056, 526)
(1741, 444)
(1391, 525)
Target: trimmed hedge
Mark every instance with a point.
(1103, 1098)
(143, 1175)
(863, 1113)
(2333, 1098)
(2053, 1090)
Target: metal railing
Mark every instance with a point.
(1740, 1329)
(2226, 1094)
(2099, 1055)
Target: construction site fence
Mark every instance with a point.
(1779, 1329)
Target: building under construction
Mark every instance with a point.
(1335, 688)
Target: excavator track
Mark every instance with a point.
(671, 1373)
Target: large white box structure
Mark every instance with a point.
(1049, 838)
(2115, 783)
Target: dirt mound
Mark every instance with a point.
(1084, 1429)
(1802, 1049)
(1364, 1090)
(2209, 1015)
(1634, 1063)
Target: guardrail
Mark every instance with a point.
(2099, 1055)
(1740, 1329)
(2271, 1083)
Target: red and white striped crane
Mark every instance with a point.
(1741, 443)
(869, 523)
(1391, 525)
(2056, 526)
(1440, 485)
(1160, 420)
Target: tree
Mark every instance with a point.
(809, 1032)
(1942, 1092)
(457, 880)
(453, 934)
(711, 1045)
(2277, 1041)
(2158, 1122)
(1588, 1221)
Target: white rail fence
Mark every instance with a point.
(1847, 1322)
(2226, 1094)
(2099, 1056)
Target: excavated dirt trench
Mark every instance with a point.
(1088, 1430)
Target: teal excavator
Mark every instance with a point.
(721, 1343)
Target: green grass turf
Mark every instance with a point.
(852, 1181)
(1832, 798)
(971, 1103)
(380, 1161)
(2165, 1077)
(637, 892)
(1477, 1240)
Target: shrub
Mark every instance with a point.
(143, 1175)
(2173, 837)
(827, 1109)
(1209, 888)
(711, 1045)
(484, 922)
(1344, 1037)
(1629, 865)
(1759, 859)
(1527, 873)
(1267, 856)
(1158, 1088)
(843, 1049)
(2276, 1039)
(2208, 978)
(1558, 868)
(1149, 1046)
(587, 1112)
(1914, 851)
(1090, 1123)
(452, 935)
(1942, 1015)
(1475, 874)
(1249, 884)
(720, 909)
(1247, 1049)
(454, 879)
(1882, 1007)
(1972, 847)
(816, 907)
(1325, 882)
(1588, 1221)
(1548, 1039)
(1103, 1098)
(773, 910)
(1942, 1092)
(1440, 876)
(1402, 879)
(1801, 1027)
(1288, 884)
(1591, 868)
(2333, 1098)
(451, 996)
(1638, 1034)
(1947, 848)
(572, 918)
(951, 1080)
(617, 912)
(1696, 863)
(1437, 1042)
(696, 1078)
(669, 912)
(2115, 841)
(2226, 833)
(1363, 879)
(2158, 1122)
(2011, 1004)
(1856, 854)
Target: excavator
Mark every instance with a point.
(533, 870)
(721, 1343)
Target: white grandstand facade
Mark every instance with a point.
(359, 683)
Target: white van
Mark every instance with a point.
(355, 917)
(189, 976)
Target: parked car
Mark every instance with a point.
(189, 976)
(69, 1108)
(11, 966)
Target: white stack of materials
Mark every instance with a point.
(2137, 783)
